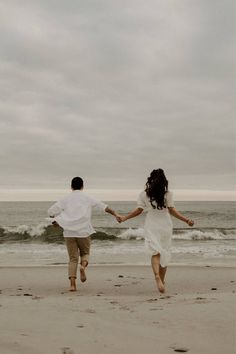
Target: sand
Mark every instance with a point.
(118, 310)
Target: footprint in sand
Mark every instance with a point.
(165, 297)
(36, 297)
(90, 311)
(67, 350)
(100, 293)
(131, 277)
(156, 309)
(201, 302)
(124, 308)
(151, 300)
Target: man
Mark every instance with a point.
(73, 213)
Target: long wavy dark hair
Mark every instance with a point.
(156, 187)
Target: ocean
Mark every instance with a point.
(26, 238)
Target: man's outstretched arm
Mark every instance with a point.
(55, 209)
(110, 211)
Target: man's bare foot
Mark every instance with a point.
(72, 288)
(83, 277)
(72, 284)
(160, 285)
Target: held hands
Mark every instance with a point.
(190, 222)
(120, 218)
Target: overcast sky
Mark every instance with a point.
(109, 90)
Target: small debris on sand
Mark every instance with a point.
(180, 349)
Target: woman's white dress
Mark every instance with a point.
(158, 227)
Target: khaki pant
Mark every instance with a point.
(77, 246)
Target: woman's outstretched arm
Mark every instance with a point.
(132, 214)
(181, 217)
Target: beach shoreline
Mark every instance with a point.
(123, 265)
(117, 310)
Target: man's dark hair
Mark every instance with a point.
(77, 183)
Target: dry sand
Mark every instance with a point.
(118, 310)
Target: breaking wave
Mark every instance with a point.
(50, 234)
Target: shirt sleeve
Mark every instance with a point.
(141, 200)
(55, 209)
(169, 200)
(98, 204)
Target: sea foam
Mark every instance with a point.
(47, 233)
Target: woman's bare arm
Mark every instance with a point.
(181, 217)
(131, 215)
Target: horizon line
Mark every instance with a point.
(46, 194)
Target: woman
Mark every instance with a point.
(158, 202)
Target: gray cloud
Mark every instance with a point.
(110, 90)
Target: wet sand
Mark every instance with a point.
(118, 310)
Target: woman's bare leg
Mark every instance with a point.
(163, 273)
(156, 271)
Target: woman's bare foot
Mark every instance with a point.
(72, 284)
(160, 285)
(83, 277)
